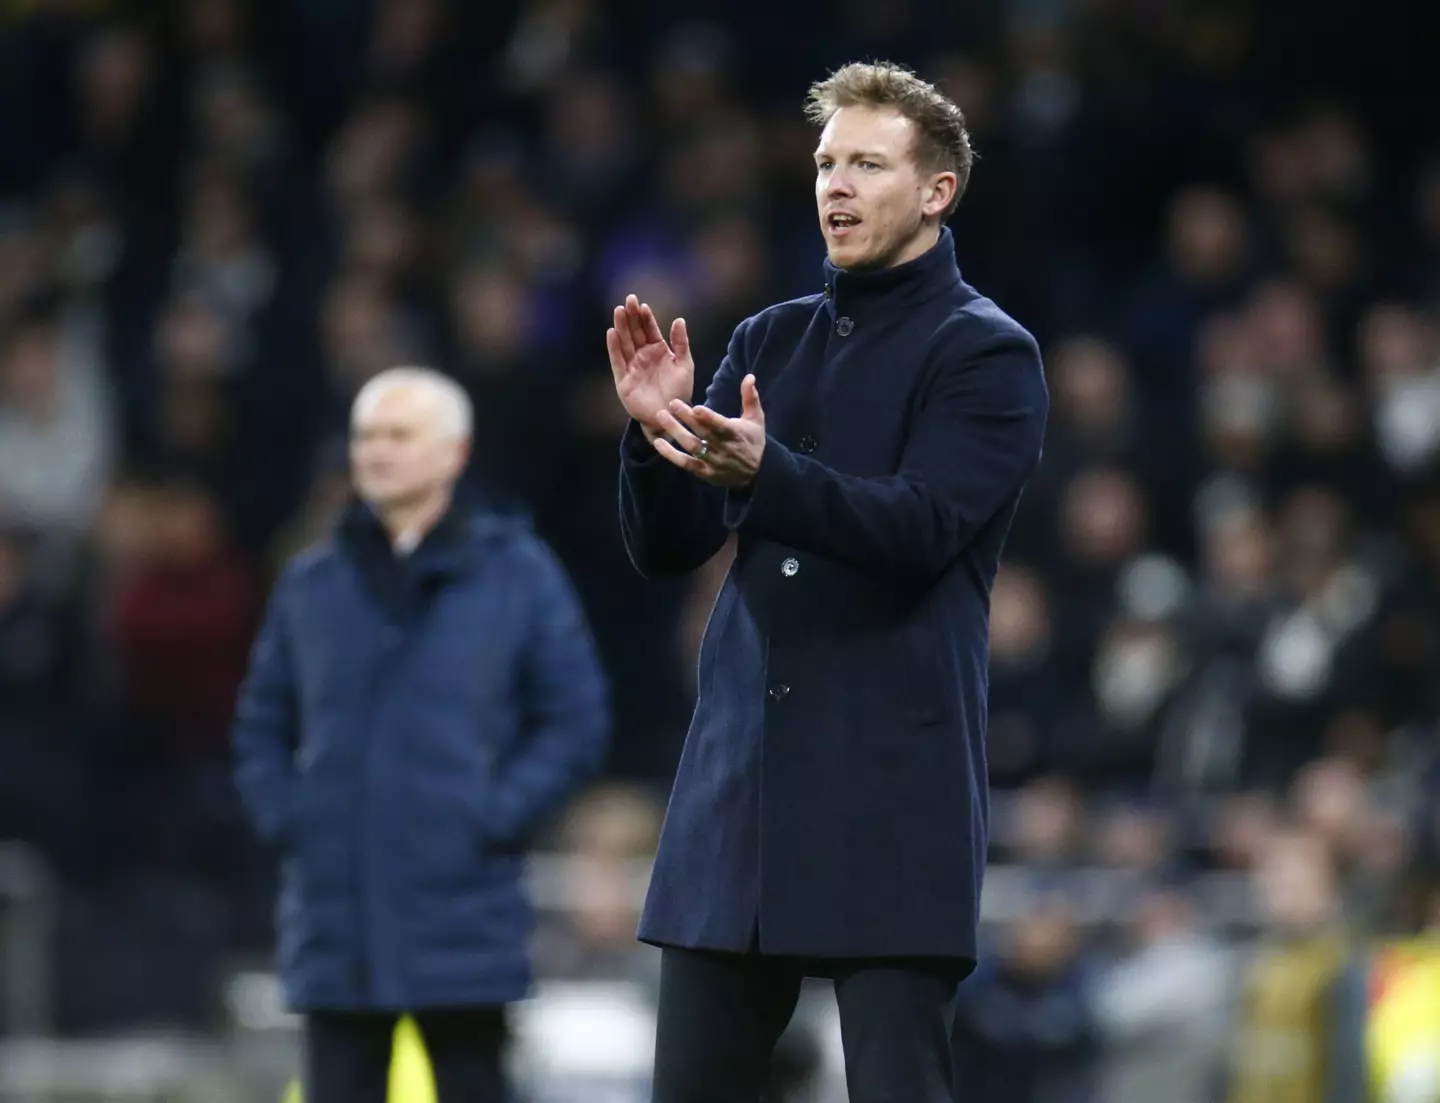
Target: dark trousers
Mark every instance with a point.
(720, 1016)
(347, 1055)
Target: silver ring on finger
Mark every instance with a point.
(703, 450)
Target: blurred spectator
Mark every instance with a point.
(124, 124)
(1134, 838)
(1024, 1026)
(1204, 740)
(377, 154)
(592, 145)
(512, 389)
(56, 430)
(1299, 1028)
(1401, 361)
(1163, 1004)
(1328, 443)
(1326, 598)
(44, 741)
(1097, 420)
(1243, 826)
(222, 257)
(1045, 827)
(181, 623)
(1103, 523)
(363, 331)
(1332, 800)
(1040, 717)
(1208, 256)
(607, 836)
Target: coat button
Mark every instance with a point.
(790, 567)
(844, 326)
(807, 443)
(779, 692)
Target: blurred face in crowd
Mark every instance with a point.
(1092, 386)
(1206, 236)
(1285, 324)
(405, 445)
(492, 314)
(1313, 531)
(1048, 821)
(1019, 616)
(1161, 914)
(877, 207)
(1396, 342)
(192, 340)
(187, 526)
(1243, 829)
(1239, 556)
(28, 374)
(1104, 518)
(1295, 880)
(1330, 800)
(1043, 941)
(607, 830)
(1132, 838)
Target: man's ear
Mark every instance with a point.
(942, 192)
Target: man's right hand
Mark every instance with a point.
(649, 373)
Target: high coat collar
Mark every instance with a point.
(850, 293)
(446, 550)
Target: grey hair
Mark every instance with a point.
(457, 415)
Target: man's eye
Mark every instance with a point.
(868, 165)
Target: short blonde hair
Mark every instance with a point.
(942, 143)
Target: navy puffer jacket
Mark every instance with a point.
(406, 724)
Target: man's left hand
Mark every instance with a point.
(724, 451)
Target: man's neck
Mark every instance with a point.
(919, 245)
(407, 525)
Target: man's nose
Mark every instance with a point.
(839, 184)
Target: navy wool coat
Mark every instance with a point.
(405, 725)
(832, 797)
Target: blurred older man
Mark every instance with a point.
(424, 692)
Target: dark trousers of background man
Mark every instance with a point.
(347, 1055)
(721, 1015)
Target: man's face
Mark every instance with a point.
(398, 453)
(1295, 884)
(871, 196)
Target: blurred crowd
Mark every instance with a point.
(1216, 641)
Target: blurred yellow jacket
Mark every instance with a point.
(1403, 1029)
(411, 1080)
(1301, 1024)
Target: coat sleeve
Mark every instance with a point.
(975, 438)
(671, 521)
(266, 728)
(564, 710)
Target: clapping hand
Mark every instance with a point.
(649, 374)
(654, 381)
(724, 451)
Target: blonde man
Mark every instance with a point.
(868, 445)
